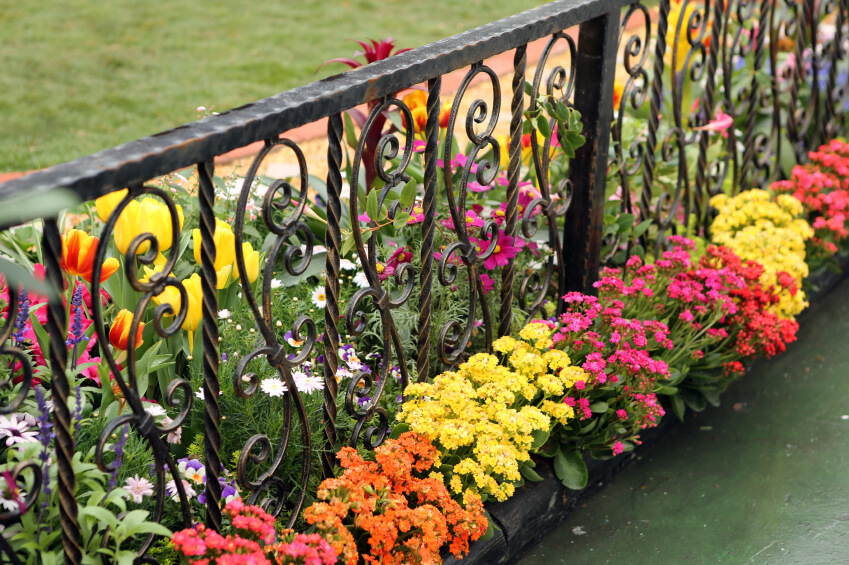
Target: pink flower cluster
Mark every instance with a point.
(617, 359)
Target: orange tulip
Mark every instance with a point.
(618, 91)
(119, 333)
(78, 251)
(445, 114)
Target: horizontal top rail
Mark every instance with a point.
(138, 161)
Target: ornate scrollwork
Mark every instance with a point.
(364, 391)
(138, 418)
(454, 337)
(552, 201)
(277, 202)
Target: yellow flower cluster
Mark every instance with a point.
(485, 413)
(757, 227)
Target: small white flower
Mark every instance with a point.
(154, 409)
(238, 327)
(361, 280)
(347, 265)
(199, 393)
(18, 429)
(279, 324)
(273, 387)
(224, 314)
(319, 298)
(171, 489)
(307, 384)
(319, 249)
(173, 437)
(276, 283)
(342, 373)
(137, 488)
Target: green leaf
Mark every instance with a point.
(642, 227)
(25, 207)
(570, 468)
(350, 134)
(599, 407)
(678, 406)
(399, 429)
(542, 125)
(347, 245)
(540, 437)
(711, 395)
(401, 220)
(99, 514)
(693, 400)
(371, 205)
(529, 88)
(667, 390)
(490, 530)
(530, 474)
(408, 194)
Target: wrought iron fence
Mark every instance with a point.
(776, 68)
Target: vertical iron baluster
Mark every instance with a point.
(429, 210)
(211, 386)
(595, 73)
(654, 109)
(703, 193)
(831, 91)
(517, 107)
(57, 330)
(333, 242)
(754, 96)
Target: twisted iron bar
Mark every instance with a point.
(654, 110)
(754, 95)
(333, 243)
(209, 318)
(57, 330)
(702, 191)
(423, 345)
(517, 107)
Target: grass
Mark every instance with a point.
(80, 76)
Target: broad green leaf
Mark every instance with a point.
(540, 437)
(542, 125)
(347, 245)
(642, 227)
(401, 220)
(599, 407)
(408, 194)
(571, 469)
(529, 88)
(399, 429)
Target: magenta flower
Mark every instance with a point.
(487, 282)
(721, 122)
(472, 221)
(506, 248)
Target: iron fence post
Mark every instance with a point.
(595, 73)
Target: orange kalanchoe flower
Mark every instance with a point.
(119, 333)
(78, 251)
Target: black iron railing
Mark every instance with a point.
(734, 50)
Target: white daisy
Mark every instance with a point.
(18, 429)
(137, 488)
(273, 387)
(361, 280)
(342, 373)
(319, 298)
(224, 314)
(347, 265)
(199, 393)
(307, 384)
(276, 283)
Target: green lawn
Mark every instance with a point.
(80, 76)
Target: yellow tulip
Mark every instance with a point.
(147, 216)
(251, 263)
(106, 204)
(225, 245)
(172, 296)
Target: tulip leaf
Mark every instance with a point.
(350, 134)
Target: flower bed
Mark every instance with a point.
(207, 397)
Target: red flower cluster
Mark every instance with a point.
(753, 329)
(401, 517)
(822, 186)
(252, 542)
